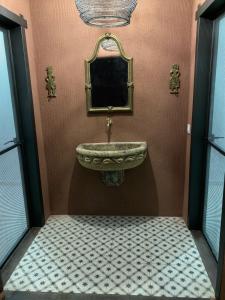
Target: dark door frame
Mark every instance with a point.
(25, 114)
(24, 108)
(205, 16)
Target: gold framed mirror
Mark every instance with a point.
(109, 77)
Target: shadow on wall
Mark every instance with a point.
(133, 197)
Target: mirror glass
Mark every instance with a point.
(109, 75)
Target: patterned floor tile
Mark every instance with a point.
(113, 255)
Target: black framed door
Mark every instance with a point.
(13, 201)
(215, 162)
(207, 166)
(21, 202)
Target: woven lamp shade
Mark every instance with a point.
(106, 13)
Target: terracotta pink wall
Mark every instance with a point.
(159, 36)
(23, 7)
(161, 33)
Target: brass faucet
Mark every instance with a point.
(108, 125)
(109, 119)
(109, 122)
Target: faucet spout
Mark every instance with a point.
(109, 125)
(109, 122)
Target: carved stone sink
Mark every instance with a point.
(111, 156)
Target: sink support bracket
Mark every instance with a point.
(113, 178)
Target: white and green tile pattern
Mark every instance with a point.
(148, 256)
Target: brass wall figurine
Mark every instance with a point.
(50, 83)
(174, 79)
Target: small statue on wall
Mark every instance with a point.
(50, 83)
(174, 79)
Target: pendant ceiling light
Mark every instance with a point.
(106, 13)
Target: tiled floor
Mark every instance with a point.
(113, 255)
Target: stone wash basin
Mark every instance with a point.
(111, 156)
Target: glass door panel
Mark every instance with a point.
(217, 120)
(216, 143)
(214, 199)
(13, 217)
(7, 122)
